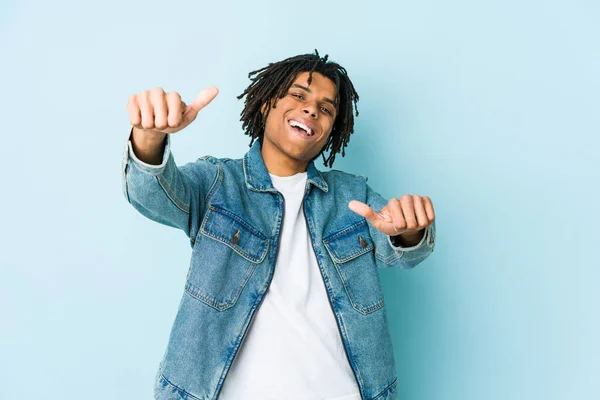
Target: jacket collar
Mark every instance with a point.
(257, 177)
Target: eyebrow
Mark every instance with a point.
(327, 99)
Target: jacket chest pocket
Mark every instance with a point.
(225, 255)
(351, 250)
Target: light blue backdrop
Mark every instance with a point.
(490, 108)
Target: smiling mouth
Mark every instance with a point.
(301, 128)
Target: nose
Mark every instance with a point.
(310, 109)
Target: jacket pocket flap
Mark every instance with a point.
(228, 228)
(349, 242)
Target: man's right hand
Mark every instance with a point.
(155, 111)
(154, 114)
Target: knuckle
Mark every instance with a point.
(174, 122)
(160, 122)
(131, 108)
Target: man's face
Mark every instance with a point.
(287, 145)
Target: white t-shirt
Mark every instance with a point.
(293, 349)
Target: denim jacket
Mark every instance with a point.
(232, 215)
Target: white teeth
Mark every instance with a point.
(302, 126)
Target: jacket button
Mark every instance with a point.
(236, 238)
(363, 244)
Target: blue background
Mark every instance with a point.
(489, 108)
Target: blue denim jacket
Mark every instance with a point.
(232, 215)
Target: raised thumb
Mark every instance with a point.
(203, 98)
(362, 209)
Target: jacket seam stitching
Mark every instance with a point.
(172, 197)
(213, 186)
(342, 232)
(386, 389)
(389, 259)
(178, 388)
(363, 310)
(352, 255)
(242, 222)
(214, 303)
(239, 250)
(211, 191)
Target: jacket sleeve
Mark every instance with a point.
(386, 253)
(165, 193)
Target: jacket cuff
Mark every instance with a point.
(143, 166)
(425, 238)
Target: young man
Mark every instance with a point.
(282, 299)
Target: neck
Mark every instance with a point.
(280, 164)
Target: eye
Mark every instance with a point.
(299, 96)
(327, 110)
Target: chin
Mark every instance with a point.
(298, 156)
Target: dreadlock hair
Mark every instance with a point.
(271, 83)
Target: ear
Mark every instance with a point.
(263, 108)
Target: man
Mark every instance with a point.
(282, 298)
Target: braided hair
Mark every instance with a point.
(272, 82)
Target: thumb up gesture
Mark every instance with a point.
(406, 217)
(160, 112)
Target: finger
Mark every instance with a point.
(429, 208)
(363, 210)
(135, 118)
(157, 96)
(398, 220)
(205, 97)
(175, 109)
(420, 211)
(146, 110)
(409, 211)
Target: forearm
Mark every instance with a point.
(148, 146)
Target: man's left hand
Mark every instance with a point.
(406, 217)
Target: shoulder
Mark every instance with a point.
(211, 166)
(221, 161)
(336, 176)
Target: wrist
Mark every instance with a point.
(408, 239)
(147, 136)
